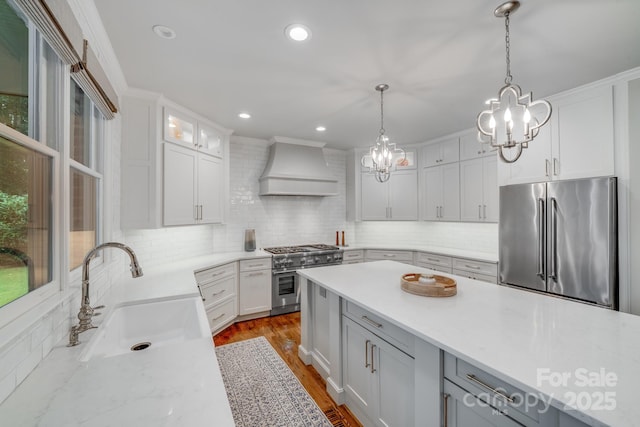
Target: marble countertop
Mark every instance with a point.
(178, 385)
(528, 339)
(454, 252)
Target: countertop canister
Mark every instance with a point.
(249, 240)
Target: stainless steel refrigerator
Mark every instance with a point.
(561, 238)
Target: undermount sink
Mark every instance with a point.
(145, 326)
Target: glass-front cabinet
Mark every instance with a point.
(210, 140)
(179, 128)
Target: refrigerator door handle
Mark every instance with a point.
(553, 207)
(541, 243)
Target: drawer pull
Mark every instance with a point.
(433, 259)
(389, 255)
(473, 378)
(371, 322)
(260, 273)
(219, 317)
(219, 293)
(366, 353)
(475, 267)
(255, 265)
(217, 274)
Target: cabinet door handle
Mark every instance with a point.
(201, 212)
(372, 322)
(373, 346)
(474, 379)
(547, 166)
(556, 166)
(219, 317)
(445, 399)
(366, 353)
(484, 211)
(479, 211)
(390, 212)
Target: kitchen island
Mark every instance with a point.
(574, 358)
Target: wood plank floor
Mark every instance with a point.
(283, 332)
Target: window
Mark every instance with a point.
(25, 220)
(87, 125)
(14, 63)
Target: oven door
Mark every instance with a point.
(284, 293)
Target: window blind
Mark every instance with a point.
(57, 23)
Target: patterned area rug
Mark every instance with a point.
(261, 388)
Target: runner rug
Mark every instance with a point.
(261, 388)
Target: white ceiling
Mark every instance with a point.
(441, 59)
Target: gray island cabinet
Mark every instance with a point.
(489, 356)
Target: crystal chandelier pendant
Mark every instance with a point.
(384, 155)
(513, 119)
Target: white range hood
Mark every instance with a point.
(297, 168)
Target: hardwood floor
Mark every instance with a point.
(283, 332)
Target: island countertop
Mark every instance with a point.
(519, 336)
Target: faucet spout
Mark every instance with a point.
(86, 312)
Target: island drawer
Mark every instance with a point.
(216, 273)
(434, 259)
(400, 256)
(255, 264)
(222, 313)
(391, 333)
(526, 408)
(479, 267)
(217, 290)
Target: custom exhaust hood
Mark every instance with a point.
(297, 168)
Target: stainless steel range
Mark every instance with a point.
(285, 294)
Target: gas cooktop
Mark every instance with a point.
(283, 250)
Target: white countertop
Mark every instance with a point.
(461, 253)
(510, 333)
(172, 386)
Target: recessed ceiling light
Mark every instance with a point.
(164, 32)
(244, 115)
(298, 32)
(321, 128)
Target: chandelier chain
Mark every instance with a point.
(507, 41)
(382, 112)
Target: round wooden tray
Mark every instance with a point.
(444, 286)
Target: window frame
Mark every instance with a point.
(23, 311)
(24, 304)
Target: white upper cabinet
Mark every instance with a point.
(396, 199)
(441, 191)
(471, 148)
(479, 190)
(578, 141)
(185, 183)
(439, 153)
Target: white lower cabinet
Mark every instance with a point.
(473, 398)
(462, 409)
(352, 256)
(218, 287)
(378, 378)
(255, 286)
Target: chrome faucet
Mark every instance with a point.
(86, 312)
